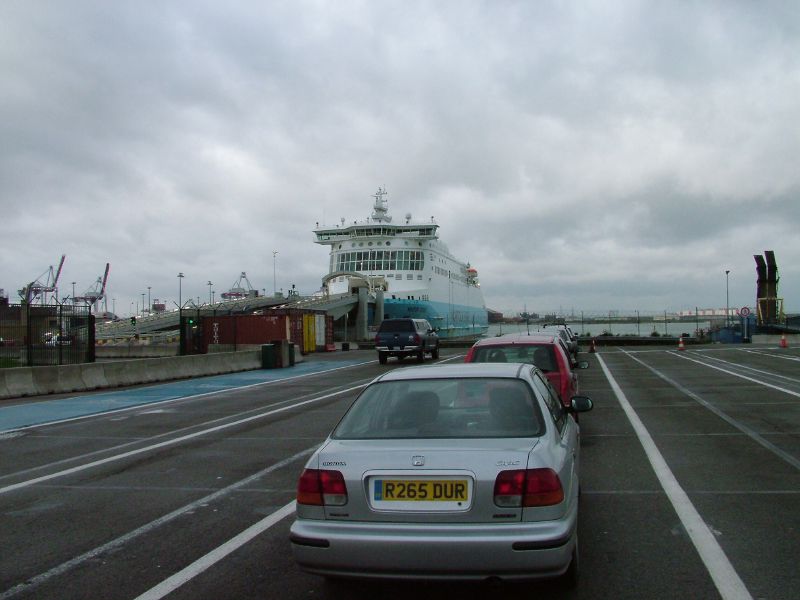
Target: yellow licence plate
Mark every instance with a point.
(422, 490)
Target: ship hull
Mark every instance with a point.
(452, 321)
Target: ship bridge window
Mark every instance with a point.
(380, 260)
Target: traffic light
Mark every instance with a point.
(133, 321)
(190, 321)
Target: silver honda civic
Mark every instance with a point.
(466, 471)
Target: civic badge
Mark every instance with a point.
(418, 461)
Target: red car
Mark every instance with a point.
(544, 350)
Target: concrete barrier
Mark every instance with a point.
(792, 340)
(33, 381)
(4, 393)
(93, 376)
(57, 379)
(116, 373)
(19, 381)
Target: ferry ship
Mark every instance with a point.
(418, 275)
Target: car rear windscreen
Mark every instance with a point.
(400, 325)
(443, 408)
(543, 356)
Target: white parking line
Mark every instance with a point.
(72, 459)
(726, 579)
(752, 434)
(751, 369)
(159, 403)
(59, 570)
(771, 354)
(201, 564)
(183, 438)
(735, 374)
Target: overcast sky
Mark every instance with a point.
(586, 156)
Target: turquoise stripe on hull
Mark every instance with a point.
(451, 320)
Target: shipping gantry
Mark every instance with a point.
(335, 306)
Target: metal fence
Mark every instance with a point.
(38, 335)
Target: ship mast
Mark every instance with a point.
(381, 207)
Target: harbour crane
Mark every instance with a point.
(39, 289)
(96, 292)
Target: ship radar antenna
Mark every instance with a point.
(381, 207)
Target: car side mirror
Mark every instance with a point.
(579, 404)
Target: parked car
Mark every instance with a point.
(445, 472)
(406, 337)
(59, 340)
(569, 338)
(545, 350)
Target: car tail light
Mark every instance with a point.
(377, 340)
(321, 488)
(415, 339)
(527, 487)
(470, 354)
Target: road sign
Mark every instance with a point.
(744, 311)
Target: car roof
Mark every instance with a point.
(458, 370)
(559, 327)
(538, 338)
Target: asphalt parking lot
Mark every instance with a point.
(690, 467)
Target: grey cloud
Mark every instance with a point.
(569, 151)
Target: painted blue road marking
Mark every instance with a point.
(50, 411)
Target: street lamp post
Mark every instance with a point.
(149, 305)
(727, 299)
(142, 303)
(73, 292)
(274, 285)
(180, 278)
(210, 299)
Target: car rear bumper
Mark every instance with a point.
(399, 350)
(453, 551)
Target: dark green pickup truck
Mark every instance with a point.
(406, 337)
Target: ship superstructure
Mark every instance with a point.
(407, 260)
